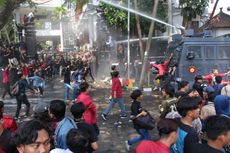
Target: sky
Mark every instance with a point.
(222, 3)
(53, 3)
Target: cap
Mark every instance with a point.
(41, 107)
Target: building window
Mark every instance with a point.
(223, 52)
(209, 52)
(196, 50)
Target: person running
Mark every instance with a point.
(116, 97)
(6, 81)
(67, 79)
(90, 115)
(136, 111)
(21, 96)
(167, 129)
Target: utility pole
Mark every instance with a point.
(170, 19)
(128, 45)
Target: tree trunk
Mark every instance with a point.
(213, 11)
(185, 22)
(211, 16)
(7, 10)
(143, 71)
(7, 35)
(139, 32)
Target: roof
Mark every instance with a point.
(221, 20)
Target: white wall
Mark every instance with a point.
(220, 32)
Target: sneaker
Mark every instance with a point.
(17, 119)
(127, 146)
(104, 117)
(123, 116)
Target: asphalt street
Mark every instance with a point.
(114, 131)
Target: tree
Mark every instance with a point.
(117, 18)
(77, 3)
(143, 71)
(190, 9)
(213, 11)
(6, 10)
(140, 21)
(139, 31)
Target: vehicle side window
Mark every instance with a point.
(196, 50)
(209, 52)
(223, 52)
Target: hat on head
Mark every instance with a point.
(41, 107)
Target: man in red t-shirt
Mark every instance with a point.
(116, 97)
(211, 77)
(167, 129)
(6, 81)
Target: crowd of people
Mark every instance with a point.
(192, 120)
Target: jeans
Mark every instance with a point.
(144, 135)
(76, 91)
(22, 99)
(121, 104)
(6, 89)
(66, 96)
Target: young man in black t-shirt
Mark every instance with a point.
(77, 111)
(218, 132)
(188, 108)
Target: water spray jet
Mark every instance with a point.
(137, 12)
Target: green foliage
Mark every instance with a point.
(10, 29)
(162, 14)
(77, 3)
(115, 17)
(60, 10)
(191, 8)
(80, 4)
(44, 46)
(2, 3)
